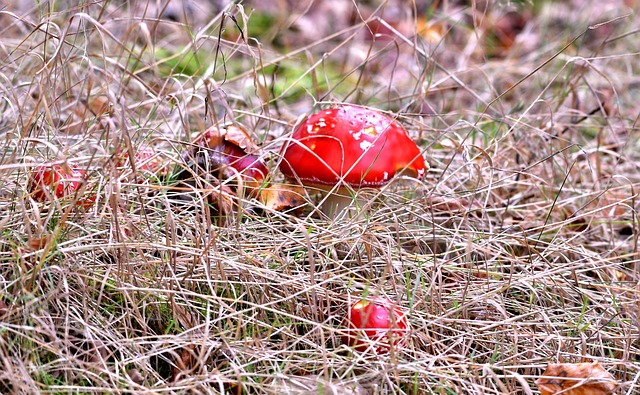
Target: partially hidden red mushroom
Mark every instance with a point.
(347, 147)
(147, 162)
(56, 181)
(230, 151)
(376, 324)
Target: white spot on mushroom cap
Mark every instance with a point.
(365, 145)
(309, 128)
(385, 176)
(356, 136)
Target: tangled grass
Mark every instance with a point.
(519, 248)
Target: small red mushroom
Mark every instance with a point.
(376, 323)
(349, 147)
(49, 181)
(229, 152)
(147, 162)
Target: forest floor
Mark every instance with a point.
(518, 249)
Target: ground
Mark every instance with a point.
(518, 249)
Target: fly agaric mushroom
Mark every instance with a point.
(376, 323)
(230, 151)
(48, 181)
(347, 147)
(146, 161)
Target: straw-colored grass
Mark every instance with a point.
(518, 249)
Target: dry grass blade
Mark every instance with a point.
(518, 249)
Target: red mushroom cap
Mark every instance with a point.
(250, 166)
(48, 181)
(231, 146)
(146, 159)
(376, 320)
(362, 147)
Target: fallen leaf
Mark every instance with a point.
(235, 134)
(38, 243)
(391, 22)
(86, 114)
(280, 197)
(223, 200)
(135, 376)
(95, 106)
(612, 203)
(445, 204)
(182, 315)
(184, 363)
(576, 379)
(501, 32)
(431, 31)
(99, 105)
(89, 349)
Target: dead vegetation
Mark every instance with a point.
(519, 248)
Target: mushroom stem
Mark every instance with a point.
(335, 202)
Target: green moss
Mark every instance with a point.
(189, 64)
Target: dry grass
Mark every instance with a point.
(519, 249)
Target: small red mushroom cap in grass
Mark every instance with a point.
(350, 146)
(147, 161)
(230, 150)
(376, 324)
(55, 181)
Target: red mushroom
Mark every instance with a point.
(49, 181)
(349, 147)
(147, 162)
(231, 153)
(376, 323)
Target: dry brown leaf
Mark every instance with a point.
(445, 204)
(501, 32)
(235, 134)
(86, 112)
(224, 200)
(576, 379)
(94, 106)
(99, 105)
(184, 363)
(86, 348)
(431, 31)
(38, 243)
(281, 197)
(135, 376)
(612, 203)
(183, 316)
